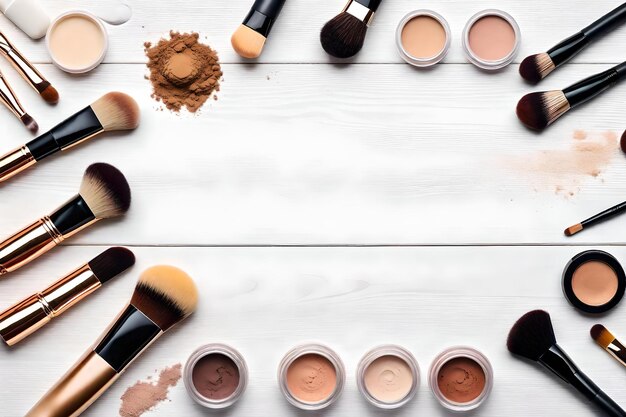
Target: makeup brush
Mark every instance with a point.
(104, 193)
(111, 112)
(10, 100)
(164, 296)
(622, 142)
(539, 110)
(343, 35)
(608, 342)
(533, 337)
(34, 312)
(249, 38)
(536, 67)
(598, 218)
(28, 71)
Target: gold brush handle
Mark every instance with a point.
(77, 389)
(8, 97)
(21, 64)
(15, 162)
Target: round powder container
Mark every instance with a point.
(77, 42)
(388, 377)
(461, 378)
(311, 377)
(594, 281)
(215, 376)
(491, 39)
(423, 38)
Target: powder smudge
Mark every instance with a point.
(580, 134)
(145, 396)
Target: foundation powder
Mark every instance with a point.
(145, 396)
(184, 72)
(311, 378)
(461, 380)
(423, 37)
(594, 283)
(388, 379)
(492, 38)
(216, 376)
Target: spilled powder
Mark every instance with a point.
(184, 72)
(144, 396)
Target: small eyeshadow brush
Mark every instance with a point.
(10, 100)
(249, 39)
(598, 218)
(536, 67)
(608, 342)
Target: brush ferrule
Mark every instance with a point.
(73, 216)
(359, 11)
(568, 48)
(617, 349)
(590, 87)
(21, 64)
(8, 97)
(15, 162)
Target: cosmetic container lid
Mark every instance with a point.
(28, 15)
(423, 61)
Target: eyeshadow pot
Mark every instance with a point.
(594, 281)
(388, 377)
(461, 378)
(311, 377)
(423, 38)
(216, 376)
(491, 39)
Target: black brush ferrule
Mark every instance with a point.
(129, 336)
(590, 87)
(567, 49)
(72, 215)
(73, 129)
(370, 4)
(262, 15)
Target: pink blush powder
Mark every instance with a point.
(492, 38)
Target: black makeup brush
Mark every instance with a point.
(605, 339)
(343, 35)
(111, 112)
(532, 337)
(598, 218)
(249, 39)
(536, 67)
(164, 296)
(104, 193)
(539, 110)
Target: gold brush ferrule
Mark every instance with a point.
(21, 64)
(359, 11)
(29, 315)
(8, 97)
(617, 349)
(77, 389)
(15, 162)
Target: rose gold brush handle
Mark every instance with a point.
(21, 64)
(15, 162)
(77, 389)
(8, 97)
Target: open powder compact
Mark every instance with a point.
(423, 38)
(491, 39)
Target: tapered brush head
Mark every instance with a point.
(536, 67)
(539, 110)
(30, 123)
(105, 190)
(111, 263)
(622, 142)
(343, 36)
(117, 111)
(602, 336)
(166, 295)
(48, 92)
(532, 335)
(572, 230)
(247, 42)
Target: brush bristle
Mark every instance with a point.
(30, 123)
(117, 111)
(48, 93)
(532, 335)
(343, 36)
(602, 336)
(536, 67)
(539, 110)
(622, 142)
(166, 295)
(105, 190)
(111, 263)
(572, 230)
(247, 42)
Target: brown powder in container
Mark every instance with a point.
(144, 396)
(184, 72)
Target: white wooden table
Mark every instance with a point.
(348, 204)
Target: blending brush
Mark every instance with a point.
(533, 337)
(112, 112)
(249, 38)
(32, 313)
(10, 100)
(343, 35)
(104, 193)
(28, 71)
(608, 342)
(539, 110)
(164, 296)
(598, 218)
(536, 67)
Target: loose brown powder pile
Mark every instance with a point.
(144, 396)
(183, 71)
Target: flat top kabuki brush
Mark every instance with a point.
(536, 67)
(343, 35)
(111, 112)
(533, 337)
(537, 111)
(164, 296)
(249, 39)
(104, 193)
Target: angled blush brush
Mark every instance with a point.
(249, 38)
(104, 193)
(34, 312)
(111, 112)
(164, 296)
(605, 339)
(537, 67)
(10, 100)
